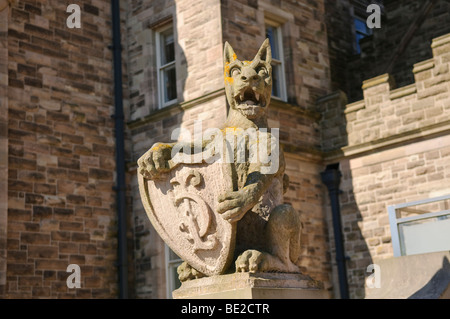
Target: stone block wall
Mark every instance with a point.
(407, 27)
(341, 42)
(61, 166)
(200, 97)
(299, 138)
(3, 145)
(306, 194)
(342, 45)
(57, 203)
(395, 148)
(198, 51)
(386, 113)
(304, 41)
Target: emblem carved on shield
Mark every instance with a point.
(181, 206)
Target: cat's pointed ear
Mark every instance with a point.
(228, 53)
(265, 52)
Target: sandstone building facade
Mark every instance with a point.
(376, 110)
(57, 198)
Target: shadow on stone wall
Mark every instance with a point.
(334, 135)
(356, 248)
(356, 256)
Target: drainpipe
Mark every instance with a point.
(122, 263)
(331, 177)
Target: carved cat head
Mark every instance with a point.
(248, 84)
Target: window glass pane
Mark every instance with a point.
(426, 235)
(362, 31)
(360, 26)
(173, 256)
(276, 80)
(170, 87)
(271, 34)
(167, 47)
(359, 36)
(175, 281)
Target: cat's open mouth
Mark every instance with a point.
(249, 98)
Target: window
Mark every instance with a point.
(273, 33)
(172, 263)
(165, 59)
(361, 31)
(420, 227)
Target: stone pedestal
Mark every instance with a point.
(252, 286)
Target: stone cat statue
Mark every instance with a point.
(267, 231)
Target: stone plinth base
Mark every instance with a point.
(252, 286)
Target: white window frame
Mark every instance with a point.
(161, 68)
(278, 63)
(170, 265)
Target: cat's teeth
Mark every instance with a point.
(257, 96)
(242, 97)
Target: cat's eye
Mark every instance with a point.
(235, 71)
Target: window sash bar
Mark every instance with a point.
(277, 62)
(167, 65)
(423, 201)
(423, 216)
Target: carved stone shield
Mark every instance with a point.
(182, 208)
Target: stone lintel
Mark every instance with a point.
(252, 286)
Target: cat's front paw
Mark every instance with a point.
(250, 261)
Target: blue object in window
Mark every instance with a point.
(361, 31)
